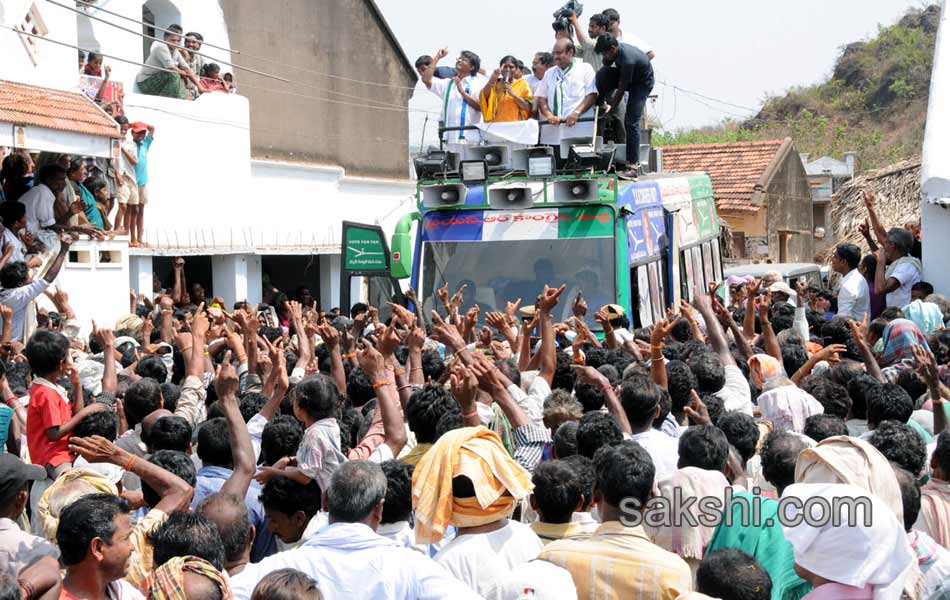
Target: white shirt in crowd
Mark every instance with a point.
(19, 299)
(547, 580)
(455, 111)
(854, 296)
(565, 90)
(485, 560)
(39, 201)
(662, 448)
(735, 394)
(905, 273)
(351, 561)
(19, 248)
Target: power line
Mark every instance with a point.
(155, 39)
(88, 4)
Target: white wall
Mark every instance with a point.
(199, 169)
(57, 65)
(97, 290)
(306, 204)
(935, 168)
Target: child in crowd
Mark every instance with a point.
(50, 419)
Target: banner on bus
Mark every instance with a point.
(536, 224)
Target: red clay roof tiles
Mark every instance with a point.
(734, 168)
(23, 104)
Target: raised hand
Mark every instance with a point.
(95, 448)
(549, 298)
(661, 330)
(443, 294)
(511, 310)
(371, 361)
(226, 381)
(604, 319)
(579, 307)
(696, 410)
(445, 333)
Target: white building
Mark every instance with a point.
(243, 199)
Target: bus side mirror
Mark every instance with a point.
(400, 265)
(400, 259)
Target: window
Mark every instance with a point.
(34, 24)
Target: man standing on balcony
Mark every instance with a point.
(142, 135)
(166, 69)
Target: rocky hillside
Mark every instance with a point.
(875, 102)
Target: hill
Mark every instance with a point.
(874, 103)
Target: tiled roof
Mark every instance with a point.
(23, 104)
(734, 169)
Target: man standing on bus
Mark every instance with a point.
(626, 69)
(567, 93)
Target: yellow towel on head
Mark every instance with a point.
(478, 454)
(69, 487)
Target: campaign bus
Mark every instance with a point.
(642, 245)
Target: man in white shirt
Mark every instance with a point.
(348, 559)
(40, 199)
(567, 93)
(459, 97)
(902, 270)
(539, 66)
(640, 399)
(854, 298)
(18, 290)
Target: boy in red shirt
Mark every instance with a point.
(50, 418)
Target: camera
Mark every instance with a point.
(562, 15)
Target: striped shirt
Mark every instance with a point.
(530, 440)
(620, 562)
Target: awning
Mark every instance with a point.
(43, 119)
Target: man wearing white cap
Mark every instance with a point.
(865, 555)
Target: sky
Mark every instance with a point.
(736, 52)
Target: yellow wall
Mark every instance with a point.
(752, 224)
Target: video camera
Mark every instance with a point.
(562, 16)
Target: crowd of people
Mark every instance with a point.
(190, 451)
(100, 196)
(45, 193)
(193, 450)
(176, 68)
(602, 69)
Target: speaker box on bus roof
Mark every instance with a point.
(442, 196)
(566, 144)
(575, 190)
(519, 157)
(510, 196)
(498, 158)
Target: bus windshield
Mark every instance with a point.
(495, 272)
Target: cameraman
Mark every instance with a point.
(585, 43)
(631, 72)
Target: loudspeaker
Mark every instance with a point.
(519, 157)
(498, 158)
(441, 196)
(510, 196)
(575, 190)
(566, 144)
